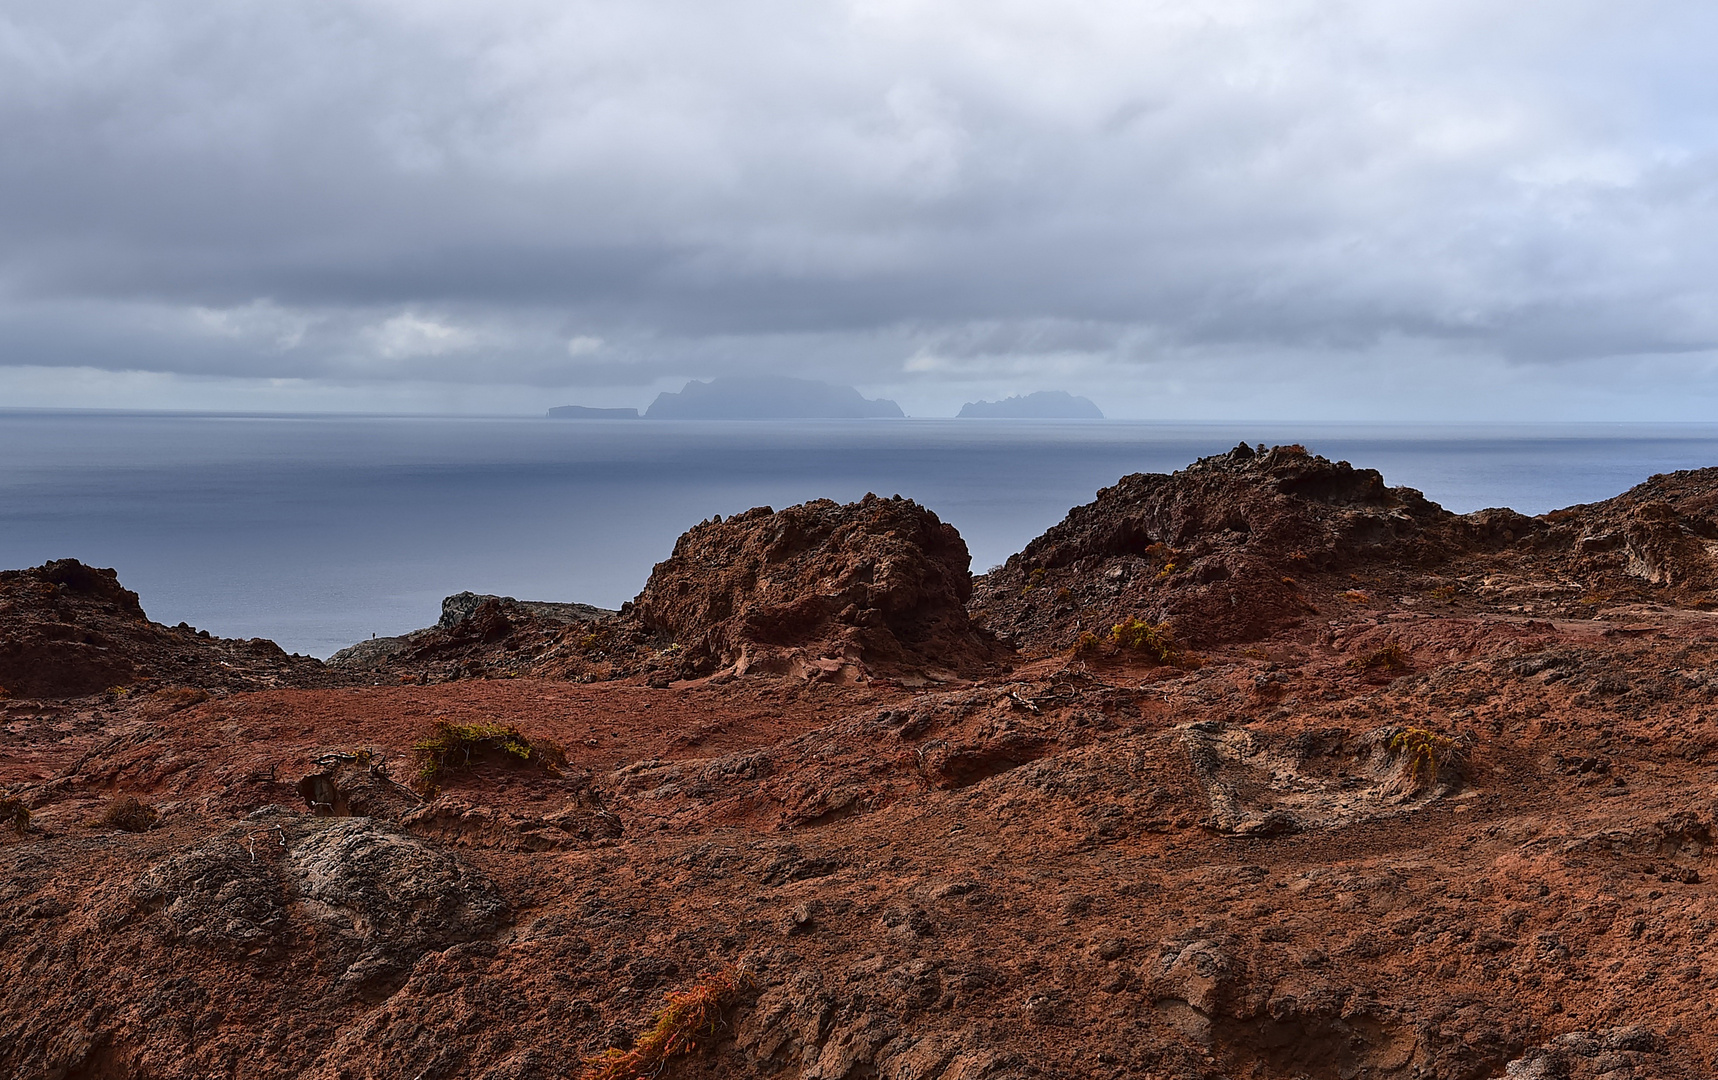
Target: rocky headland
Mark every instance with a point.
(1261, 769)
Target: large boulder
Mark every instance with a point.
(879, 585)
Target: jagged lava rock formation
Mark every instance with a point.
(1223, 550)
(823, 590)
(878, 585)
(1441, 807)
(1244, 544)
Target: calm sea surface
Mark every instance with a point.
(319, 531)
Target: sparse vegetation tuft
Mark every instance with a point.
(599, 640)
(1421, 755)
(1154, 639)
(452, 745)
(126, 813)
(1391, 657)
(688, 1018)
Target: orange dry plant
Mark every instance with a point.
(687, 1018)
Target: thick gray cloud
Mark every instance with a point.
(1165, 204)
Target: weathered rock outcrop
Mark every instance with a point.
(1219, 550)
(1663, 532)
(67, 629)
(1241, 545)
(476, 634)
(880, 584)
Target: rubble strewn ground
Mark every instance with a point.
(1409, 794)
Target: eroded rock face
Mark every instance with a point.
(1218, 550)
(1663, 532)
(880, 584)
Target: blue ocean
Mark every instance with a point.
(318, 531)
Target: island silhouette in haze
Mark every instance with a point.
(1044, 405)
(748, 397)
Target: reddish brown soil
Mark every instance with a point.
(1095, 865)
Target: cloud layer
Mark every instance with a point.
(943, 200)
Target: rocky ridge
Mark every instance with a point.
(68, 630)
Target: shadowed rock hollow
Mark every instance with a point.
(880, 584)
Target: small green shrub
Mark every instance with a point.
(452, 745)
(1421, 755)
(1154, 639)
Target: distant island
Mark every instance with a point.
(746, 397)
(1044, 405)
(582, 412)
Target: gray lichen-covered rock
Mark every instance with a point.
(369, 900)
(380, 899)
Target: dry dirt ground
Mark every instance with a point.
(1457, 830)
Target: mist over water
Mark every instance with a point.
(318, 531)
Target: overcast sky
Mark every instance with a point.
(1256, 208)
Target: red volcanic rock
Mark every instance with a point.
(67, 629)
(1662, 532)
(1219, 550)
(880, 583)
